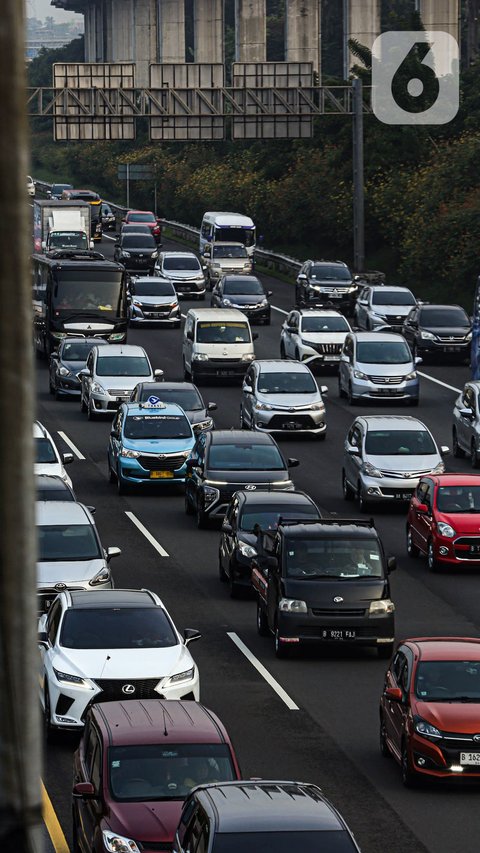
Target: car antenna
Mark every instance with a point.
(104, 665)
(165, 732)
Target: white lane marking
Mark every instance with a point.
(71, 445)
(439, 382)
(146, 533)
(263, 672)
(108, 237)
(280, 310)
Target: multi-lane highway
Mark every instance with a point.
(315, 717)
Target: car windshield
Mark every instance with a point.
(298, 382)
(84, 290)
(245, 457)
(77, 351)
(44, 451)
(229, 252)
(158, 772)
(54, 495)
(138, 241)
(325, 324)
(339, 558)
(267, 516)
(223, 333)
(229, 234)
(392, 297)
(59, 188)
(117, 628)
(68, 240)
(330, 273)
(383, 352)
(153, 287)
(458, 499)
(106, 210)
(444, 317)
(67, 542)
(141, 217)
(188, 398)
(448, 681)
(399, 442)
(123, 365)
(306, 841)
(157, 426)
(136, 229)
(180, 263)
(243, 286)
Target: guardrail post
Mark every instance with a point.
(358, 179)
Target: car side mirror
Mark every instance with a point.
(158, 373)
(84, 372)
(190, 463)
(247, 389)
(301, 277)
(394, 694)
(190, 635)
(423, 509)
(269, 293)
(254, 336)
(54, 354)
(113, 551)
(293, 463)
(323, 390)
(190, 335)
(84, 791)
(353, 450)
(444, 450)
(227, 527)
(67, 458)
(418, 360)
(113, 433)
(391, 564)
(91, 509)
(211, 407)
(467, 413)
(43, 639)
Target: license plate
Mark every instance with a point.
(226, 373)
(291, 425)
(474, 549)
(332, 357)
(452, 349)
(338, 634)
(403, 496)
(161, 475)
(470, 758)
(386, 391)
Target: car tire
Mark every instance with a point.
(456, 449)
(384, 750)
(111, 472)
(83, 407)
(432, 563)
(91, 415)
(75, 845)
(186, 373)
(414, 401)
(412, 549)
(262, 621)
(266, 322)
(188, 505)
(51, 386)
(233, 586)
(297, 354)
(223, 577)
(281, 651)
(474, 456)
(201, 297)
(122, 486)
(201, 517)
(283, 354)
(385, 650)
(348, 492)
(363, 504)
(341, 392)
(351, 400)
(243, 425)
(409, 777)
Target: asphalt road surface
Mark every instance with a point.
(324, 727)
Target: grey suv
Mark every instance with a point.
(466, 424)
(326, 281)
(378, 305)
(378, 365)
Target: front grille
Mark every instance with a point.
(330, 288)
(328, 349)
(386, 380)
(457, 740)
(222, 361)
(285, 421)
(112, 688)
(452, 339)
(467, 540)
(404, 475)
(168, 463)
(336, 612)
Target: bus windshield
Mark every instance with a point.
(89, 290)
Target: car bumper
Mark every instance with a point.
(343, 301)
(408, 390)
(189, 288)
(312, 423)
(322, 629)
(384, 489)
(134, 473)
(436, 759)
(453, 349)
(258, 315)
(103, 404)
(218, 368)
(456, 551)
(173, 319)
(67, 385)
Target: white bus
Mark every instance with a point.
(222, 227)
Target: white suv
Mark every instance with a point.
(47, 458)
(314, 335)
(110, 375)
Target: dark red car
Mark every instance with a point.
(444, 520)
(144, 217)
(430, 709)
(136, 762)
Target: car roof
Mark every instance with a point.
(51, 482)
(286, 499)
(140, 211)
(237, 436)
(156, 721)
(446, 648)
(274, 365)
(269, 806)
(378, 336)
(111, 598)
(139, 409)
(455, 479)
(170, 386)
(329, 263)
(434, 306)
(123, 349)
(240, 277)
(319, 312)
(150, 279)
(384, 287)
(61, 512)
(81, 340)
(392, 422)
(329, 529)
(225, 315)
(225, 217)
(179, 255)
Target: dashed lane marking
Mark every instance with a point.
(263, 671)
(71, 445)
(133, 518)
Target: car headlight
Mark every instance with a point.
(200, 356)
(96, 388)
(307, 343)
(382, 607)
(125, 254)
(207, 424)
(154, 255)
(63, 371)
(129, 454)
(317, 407)
(359, 375)
(117, 336)
(246, 550)
(264, 303)
(137, 303)
(439, 469)
(263, 407)
(468, 337)
(370, 470)
(412, 375)
(226, 302)
(292, 605)
(186, 675)
(117, 843)
(426, 729)
(427, 336)
(67, 678)
(103, 576)
(446, 529)
(381, 317)
(248, 356)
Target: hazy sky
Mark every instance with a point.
(43, 9)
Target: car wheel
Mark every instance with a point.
(384, 750)
(432, 563)
(283, 354)
(83, 407)
(188, 505)
(348, 492)
(201, 517)
(51, 386)
(266, 322)
(221, 571)
(385, 650)
(262, 622)
(243, 425)
(91, 415)
(75, 845)
(474, 457)
(111, 472)
(351, 400)
(341, 392)
(297, 354)
(122, 485)
(363, 504)
(412, 549)
(414, 401)
(201, 297)
(456, 449)
(233, 587)
(186, 373)
(409, 777)
(281, 650)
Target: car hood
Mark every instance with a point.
(196, 416)
(152, 821)
(413, 464)
(183, 275)
(219, 351)
(324, 337)
(138, 250)
(451, 716)
(392, 310)
(160, 445)
(123, 664)
(124, 383)
(156, 300)
(72, 366)
(385, 369)
(233, 263)
(289, 402)
(446, 331)
(67, 571)
(328, 282)
(358, 592)
(243, 477)
(462, 522)
(245, 298)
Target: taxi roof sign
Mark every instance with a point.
(153, 402)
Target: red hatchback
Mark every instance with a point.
(444, 520)
(144, 217)
(430, 709)
(136, 762)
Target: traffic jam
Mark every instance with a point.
(251, 485)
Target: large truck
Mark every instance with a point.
(59, 224)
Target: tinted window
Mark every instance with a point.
(243, 286)
(54, 495)
(245, 457)
(181, 264)
(447, 681)
(44, 451)
(383, 352)
(157, 426)
(138, 228)
(340, 558)
(68, 240)
(77, 351)
(154, 287)
(324, 324)
(399, 442)
(223, 333)
(67, 542)
(301, 382)
(458, 499)
(85, 289)
(268, 516)
(284, 842)
(235, 235)
(119, 628)
(392, 297)
(229, 252)
(138, 241)
(444, 317)
(59, 188)
(157, 772)
(188, 399)
(141, 217)
(330, 273)
(123, 365)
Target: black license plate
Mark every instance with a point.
(291, 425)
(226, 373)
(474, 549)
(403, 496)
(337, 634)
(452, 349)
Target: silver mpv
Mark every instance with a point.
(378, 366)
(384, 458)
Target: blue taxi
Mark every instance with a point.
(149, 443)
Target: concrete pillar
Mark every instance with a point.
(108, 31)
(144, 39)
(171, 31)
(250, 31)
(302, 32)
(440, 15)
(208, 31)
(363, 24)
(90, 33)
(99, 25)
(122, 30)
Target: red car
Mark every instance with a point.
(136, 762)
(145, 217)
(430, 709)
(444, 520)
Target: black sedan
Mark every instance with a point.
(109, 221)
(246, 293)
(439, 330)
(67, 361)
(185, 394)
(224, 461)
(136, 252)
(248, 514)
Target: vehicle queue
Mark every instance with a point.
(150, 437)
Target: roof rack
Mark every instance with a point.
(341, 521)
(75, 255)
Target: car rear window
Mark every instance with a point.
(245, 457)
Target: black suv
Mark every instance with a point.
(326, 281)
(438, 330)
(259, 816)
(324, 582)
(136, 251)
(248, 514)
(224, 461)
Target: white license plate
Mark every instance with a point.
(470, 758)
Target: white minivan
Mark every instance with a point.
(224, 227)
(216, 342)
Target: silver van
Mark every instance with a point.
(216, 342)
(378, 366)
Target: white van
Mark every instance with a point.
(216, 342)
(223, 227)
